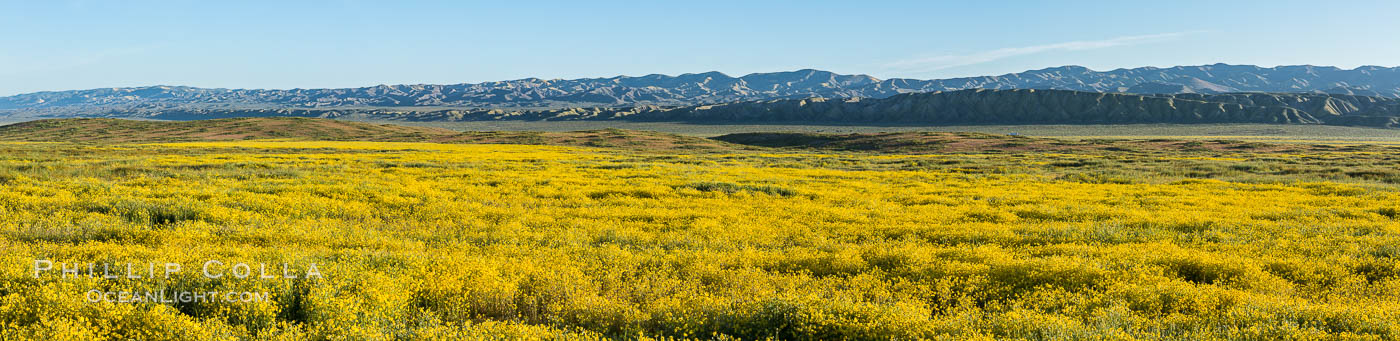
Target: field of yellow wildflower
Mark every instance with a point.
(466, 241)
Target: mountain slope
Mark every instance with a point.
(715, 87)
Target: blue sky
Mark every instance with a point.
(63, 45)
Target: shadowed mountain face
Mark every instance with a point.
(1029, 106)
(715, 87)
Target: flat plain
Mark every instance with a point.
(1262, 132)
(1246, 131)
(802, 236)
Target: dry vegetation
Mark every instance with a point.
(108, 131)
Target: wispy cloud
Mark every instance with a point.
(935, 63)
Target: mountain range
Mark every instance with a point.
(972, 106)
(714, 87)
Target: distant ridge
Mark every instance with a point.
(714, 87)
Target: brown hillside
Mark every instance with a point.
(107, 130)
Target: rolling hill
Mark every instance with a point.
(109, 131)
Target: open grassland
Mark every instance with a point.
(1252, 132)
(106, 131)
(1247, 131)
(1154, 240)
(110, 131)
